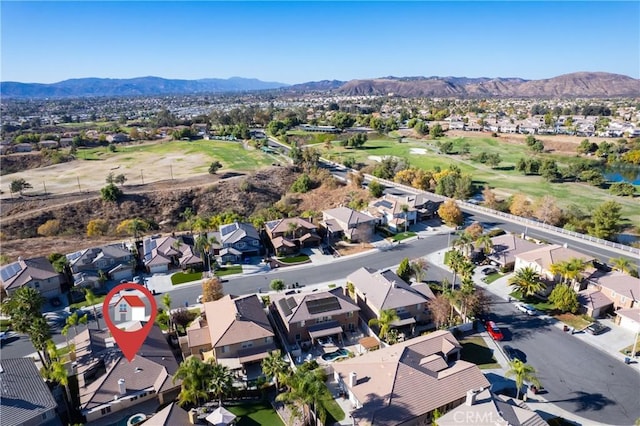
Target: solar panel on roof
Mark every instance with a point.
(227, 229)
(74, 256)
(291, 302)
(282, 303)
(10, 270)
(387, 204)
(319, 306)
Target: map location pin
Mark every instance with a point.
(132, 308)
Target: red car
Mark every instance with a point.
(494, 330)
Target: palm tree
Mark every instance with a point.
(274, 367)
(527, 281)
(383, 322)
(166, 301)
(522, 373)
(220, 382)
(405, 213)
(305, 388)
(465, 243)
(622, 264)
(419, 268)
(195, 376)
(39, 332)
(570, 270)
(72, 321)
(454, 260)
(485, 242)
(57, 372)
(203, 245)
(92, 300)
(292, 227)
(23, 306)
(65, 333)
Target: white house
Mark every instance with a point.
(130, 308)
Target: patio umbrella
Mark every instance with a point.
(221, 417)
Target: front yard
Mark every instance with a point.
(540, 305)
(475, 350)
(575, 321)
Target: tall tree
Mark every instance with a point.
(454, 260)
(220, 382)
(195, 376)
(623, 265)
(485, 243)
(464, 243)
(527, 281)
(384, 321)
(547, 211)
(522, 373)
(564, 298)
(275, 367)
(450, 213)
(405, 213)
(606, 220)
(92, 300)
(212, 289)
(277, 285)
(570, 270)
(419, 268)
(404, 270)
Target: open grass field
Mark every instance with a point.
(505, 180)
(149, 162)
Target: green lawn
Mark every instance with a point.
(540, 305)
(403, 236)
(294, 259)
(504, 178)
(334, 412)
(228, 270)
(492, 277)
(99, 299)
(5, 324)
(475, 350)
(255, 414)
(232, 155)
(181, 277)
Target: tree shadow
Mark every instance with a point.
(587, 401)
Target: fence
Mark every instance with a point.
(513, 218)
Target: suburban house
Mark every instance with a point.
(375, 291)
(109, 383)
(405, 383)
(484, 407)
(239, 240)
(118, 138)
(234, 332)
(608, 292)
(36, 273)
(129, 308)
(114, 260)
(541, 259)
(343, 222)
(162, 252)
(506, 247)
(309, 316)
(290, 234)
(629, 319)
(172, 414)
(390, 209)
(26, 398)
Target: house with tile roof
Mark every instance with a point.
(161, 253)
(25, 398)
(343, 222)
(290, 234)
(375, 291)
(171, 415)
(114, 260)
(405, 383)
(506, 247)
(390, 209)
(610, 292)
(307, 317)
(36, 273)
(485, 408)
(239, 240)
(109, 383)
(234, 332)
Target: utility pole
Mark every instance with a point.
(45, 188)
(141, 176)
(171, 170)
(79, 188)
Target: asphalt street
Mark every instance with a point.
(577, 377)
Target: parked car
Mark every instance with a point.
(596, 328)
(493, 330)
(513, 353)
(55, 301)
(199, 299)
(527, 309)
(489, 271)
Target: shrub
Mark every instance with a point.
(50, 228)
(110, 193)
(97, 227)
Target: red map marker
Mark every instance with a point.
(129, 341)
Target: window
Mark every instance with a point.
(123, 307)
(302, 323)
(267, 339)
(298, 337)
(247, 344)
(105, 410)
(419, 306)
(623, 299)
(255, 243)
(36, 284)
(225, 349)
(44, 416)
(241, 244)
(350, 314)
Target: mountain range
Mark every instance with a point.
(580, 84)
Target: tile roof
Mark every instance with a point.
(236, 320)
(384, 289)
(133, 301)
(593, 298)
(348, 216)
(549, 254)
(296, 307)
(494, 410)
(632, 314)
(282, 225)
(623, 284)
(507, 246)
(171, 415)
(17, 274)
(236, 231)
(396, 384)
(24, 396)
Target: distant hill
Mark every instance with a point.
(147, 86)
(314, 86)
(581, 84)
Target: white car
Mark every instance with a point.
(199, 300)
(527, 309)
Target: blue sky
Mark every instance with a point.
(294, 42)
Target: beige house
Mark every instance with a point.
(309, 316)
(609, 291)
(234, 332)
(290, 234)
(109, 383)
(506, 247)
(405, 383)
(343, 222)
(375, 291)
(390, 209)
(482, 407)
(36, 273)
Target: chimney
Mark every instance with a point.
(193, 416)
(353, 379)
(122, 387)
(565, 245)
(393, 284)
(471, 397)
(238, 316)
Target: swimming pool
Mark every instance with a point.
(332, 356)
